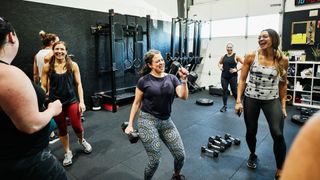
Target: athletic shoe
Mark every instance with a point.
(67, 158)
(223, 109)
(179, 177)
(86, 146)
(53, 139)
(252, 161)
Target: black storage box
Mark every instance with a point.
(215, 90)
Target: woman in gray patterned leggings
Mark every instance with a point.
(154, 95)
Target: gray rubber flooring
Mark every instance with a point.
(113, 157)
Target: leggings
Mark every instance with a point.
(275, 118)
(151, 130)
(233, 84)
(42, 165)
(72, 111)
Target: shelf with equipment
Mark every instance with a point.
(306, 83)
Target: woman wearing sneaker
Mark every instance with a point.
(62, 76)
(154, 94)
(228, 65)
(41, 58)
(24, 122)
(265, 90)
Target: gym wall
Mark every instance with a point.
(72, 26)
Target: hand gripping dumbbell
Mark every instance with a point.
(227, 141)
(235, 141)
(133, 136)
(214, 153)
(215, 147)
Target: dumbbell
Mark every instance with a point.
(133, 136)
(218, 142)
(235, 141)
(226, 141)
(215, 147)
(214, 153)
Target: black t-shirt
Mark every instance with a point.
(158, 94)
(16, 144)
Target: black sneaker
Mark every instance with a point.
(179, 177)
(223, 109)
(252, 161)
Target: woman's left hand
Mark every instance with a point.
(82, 108)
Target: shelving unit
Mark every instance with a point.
(306, 86)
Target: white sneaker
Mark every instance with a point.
(86, 146)
(67, 158)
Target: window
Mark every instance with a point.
(229, 27)
(205, 29)
(258, 23)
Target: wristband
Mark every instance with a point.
(183, 81)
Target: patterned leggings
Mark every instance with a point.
(151, 130)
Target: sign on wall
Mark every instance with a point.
(303, 2)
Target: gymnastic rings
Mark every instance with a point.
(289, 97)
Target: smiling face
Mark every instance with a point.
(229, 48)
(264, 40)
(59, 51)
(157, 65)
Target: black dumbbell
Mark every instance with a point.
(133, 136)
(217, 143)
(215, 147)
(226, 141)
(235, 141)
(214, 153)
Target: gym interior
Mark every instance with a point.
(108, 40)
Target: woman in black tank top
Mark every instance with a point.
(63, 74)
(24, 122)
(229, 75)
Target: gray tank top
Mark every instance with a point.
(263, 82)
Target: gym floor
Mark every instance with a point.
(113, 157)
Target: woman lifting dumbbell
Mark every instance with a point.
(154, 94)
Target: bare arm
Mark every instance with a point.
(44, 77)
(303, 159)
(242, 80)
(182, 90)
(35, 71)
(220, 64)
(19, 101)
(77, 78)
(239, 60)
(134, 109)
(283, 88)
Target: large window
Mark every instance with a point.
(229, 27)
(237, 26)
(258, 23)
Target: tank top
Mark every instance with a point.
(16, 144)
(40, 59)
(229, 62)
(263, 82)
(62, 88)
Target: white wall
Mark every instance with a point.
(157, 9)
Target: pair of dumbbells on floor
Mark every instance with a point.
(133, 136)
(218, 144)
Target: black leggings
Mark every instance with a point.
(275, 118)
(233, 84)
